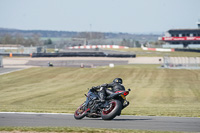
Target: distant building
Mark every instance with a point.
(184, 37)
(198, 23)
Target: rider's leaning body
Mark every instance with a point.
(115, 86)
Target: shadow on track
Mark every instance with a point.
(121, 119)
(131, 119)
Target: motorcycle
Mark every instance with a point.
(94, 108)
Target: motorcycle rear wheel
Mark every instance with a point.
(113, 110)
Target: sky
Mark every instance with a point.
(130, 16)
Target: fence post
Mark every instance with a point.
(1, 61)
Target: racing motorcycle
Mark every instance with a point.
(94, 108)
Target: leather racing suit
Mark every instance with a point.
(104, 91)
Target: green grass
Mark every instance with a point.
(76, 130)
(143, 53)
(155, 92)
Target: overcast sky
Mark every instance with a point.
(132, 16)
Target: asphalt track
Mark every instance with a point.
(8, 70)
(187, 124)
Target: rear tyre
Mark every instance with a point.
(80, 113)
(112, 111)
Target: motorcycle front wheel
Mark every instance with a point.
(112, 111)
(80, 112)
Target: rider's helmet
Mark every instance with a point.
(117, 80)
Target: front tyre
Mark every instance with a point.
(112, 111)
(80, 113)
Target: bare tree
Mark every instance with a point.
(7, 39)
(19, 39)
(36, 40)
(91, 35)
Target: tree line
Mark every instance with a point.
(72, 34)
(98, 39)
(33, 40)
(36, 38)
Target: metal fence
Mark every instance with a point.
(18, 50)
(1, 61)
(181, 62)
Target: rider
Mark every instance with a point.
(116, 85)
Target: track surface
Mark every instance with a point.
(122, 122)
(8, 70)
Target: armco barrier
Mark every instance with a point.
(158, 49)
(81, 54)
(69, 54)
(14, 54)
(121, 55)
(170, 50)
(187, 50)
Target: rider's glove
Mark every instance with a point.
(93, 88)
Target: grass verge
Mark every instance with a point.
(75, 130)
(155, 92)
(142, 53)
